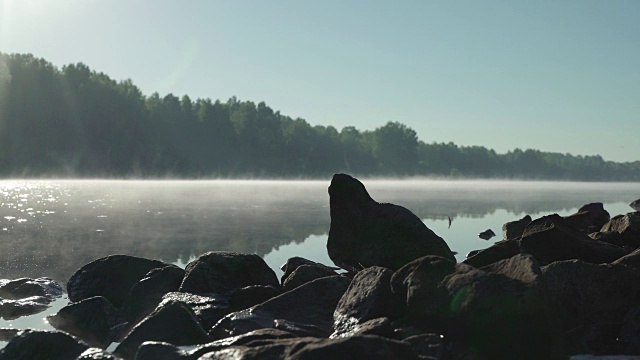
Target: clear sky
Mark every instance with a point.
(561, 76)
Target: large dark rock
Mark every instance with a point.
(589, 218)
(158, 350)
(590, 302)
(173, 322)
(220, 272)
(305, 273)
(295, 262)
(499, 251)
(90, 320)
(248, 296)
(13, 309)
(365, 233)
(514, 229)
(97, 354)
(306, 311)
(42, 345)
(629, 337)
(551, 239)
(482, 310)
(276, 349)
(111, 277)
(254, 337)
(26, 287)
(368, 297)
(147, 293)
(361, 346)
(610, 237)
(628, 226)
(635, 205)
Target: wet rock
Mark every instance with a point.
(220, 272)
(368, 297)
(521, 267)
(365, 233)
(13, 309)
(463, 303)
(514, 229)
(248, 296)
(111, 277)
(635, 205)
(293, 263)
(629, 337)
(42, 345)
(429, 346)
(208, 309)
(147, 293)
(487, 234)
(499, 251)
(305, 273)
(258, 350)
(173, 322)
(550, 239)
(26, 287)
(259, 336)
(590, 302)
(365, 346)
(7, 334)
(90, 320)
(306, 311)
(589, 218)
(157, 350)
(628, 226)
(96, 354)
(631, 260)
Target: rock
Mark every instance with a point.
(13, 309)
(306, 311)
(487, 234)
(305, 273)
(635, 205)
(157, 350)
(550, 239)
(631, 260)
(258, 336)
(628, 226)
(368, 297)
(42, 345)
(590, 302)
(589, 218)
(498, 251)
(220, 272)
(463, 303)
(173, 322)
(90, 320)
(96, 354)
(111, 277)
(365, 233)
(429, 346)
(379, 326)
(610, 237)
(629, 337)
(362, 346)
(248, 296)
(7, 334)
(25, 287)
(514, 229)
(147, 293)
(208, 309)
(293, 263)
(258, 350)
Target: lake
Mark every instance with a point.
(53, 227)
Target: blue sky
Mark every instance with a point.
(561, 76)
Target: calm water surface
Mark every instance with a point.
(51, 228)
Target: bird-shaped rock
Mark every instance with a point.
(366, 233)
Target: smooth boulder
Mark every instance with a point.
(366, 233)
(42, 345)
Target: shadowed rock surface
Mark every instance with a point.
(514, 229)
(147, 293)
(628, 226)
(366, 233)
(111, 277)
(42, 345)
(220, 272)
(305, 273)
(635, 205)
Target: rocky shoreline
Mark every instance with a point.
(554, 288)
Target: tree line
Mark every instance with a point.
(74, 121)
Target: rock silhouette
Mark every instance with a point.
(366, 233)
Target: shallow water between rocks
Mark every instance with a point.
(53, 227)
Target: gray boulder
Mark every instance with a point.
(628, 226)
(221, 272)
(366, 233)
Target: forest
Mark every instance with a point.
(76, 122)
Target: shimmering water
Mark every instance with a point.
(51, 228)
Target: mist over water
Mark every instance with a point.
(53, 227)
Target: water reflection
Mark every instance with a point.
(67, 224)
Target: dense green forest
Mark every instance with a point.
(75, 121)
